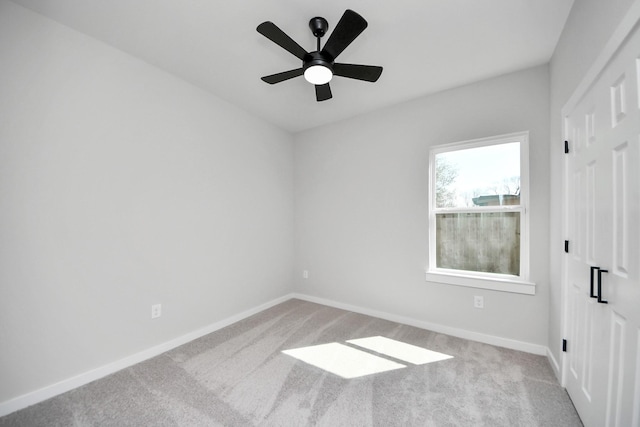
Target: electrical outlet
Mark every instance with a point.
(156, 310)
(305, 274)
(478, 301)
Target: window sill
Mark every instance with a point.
(495, 284)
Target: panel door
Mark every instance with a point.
(621, 257)
(603, 177)
(587, 349)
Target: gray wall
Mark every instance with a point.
(589, 26)
(122, 186)
(361, 197)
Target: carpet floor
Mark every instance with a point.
(239, 376)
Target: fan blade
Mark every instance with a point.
(323, 92)
(276, 35)
(369, 73)
(280, 77)
(348, 28)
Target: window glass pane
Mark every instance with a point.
(488, 242)
(483, 176)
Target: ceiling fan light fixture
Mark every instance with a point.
(318, 74)
(319, 67)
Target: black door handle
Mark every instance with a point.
(600, 300)
(591, 294)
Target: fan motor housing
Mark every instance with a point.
(317, 58)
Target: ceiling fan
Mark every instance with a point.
(319, 67)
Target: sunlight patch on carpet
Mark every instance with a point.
(343, 360)
(399, 350)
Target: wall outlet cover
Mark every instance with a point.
(156, 311)
(478, 301)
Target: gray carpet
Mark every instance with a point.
(238, 376)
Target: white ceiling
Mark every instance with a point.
(425, 46)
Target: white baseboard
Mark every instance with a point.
(63, 386)
(554, 364)
(460, 333)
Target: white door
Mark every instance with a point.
(587, 348)
(602, 219)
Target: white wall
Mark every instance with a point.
(589, 26)
(122, 186)
(361, 194)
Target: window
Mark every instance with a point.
(478, 225)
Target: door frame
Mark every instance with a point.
(619, 36)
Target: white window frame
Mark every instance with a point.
(499, 282)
